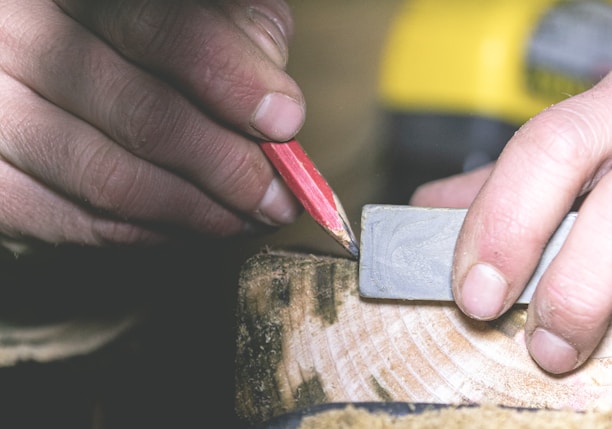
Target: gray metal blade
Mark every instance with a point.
(407, 252)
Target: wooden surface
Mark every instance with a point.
(305, 337)
(62, 340)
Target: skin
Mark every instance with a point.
(561, 155)
(133, 122)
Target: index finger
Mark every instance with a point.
(228, 57)
(551, 160)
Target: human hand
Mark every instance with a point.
(125, 122)
(561, 154)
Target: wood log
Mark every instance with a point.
(306, 337)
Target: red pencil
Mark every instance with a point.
(312, 190)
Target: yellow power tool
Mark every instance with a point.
(458, 78)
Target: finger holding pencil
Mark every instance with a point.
(312, 190)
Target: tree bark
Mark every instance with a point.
(305, 337)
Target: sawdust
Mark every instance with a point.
(483, 417)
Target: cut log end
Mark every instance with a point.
(277, 291)
(306, 337)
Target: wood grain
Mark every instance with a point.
(306, 337)
(62, 340)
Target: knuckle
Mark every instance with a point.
(147, 117)
(569, 133)
(145, 28)
(224, 75)
(108, 183)
(240, 175)
(572, 306)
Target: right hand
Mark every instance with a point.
(126, 122)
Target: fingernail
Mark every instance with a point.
(269, 34)
(278, 117)
(278, 206)
(551, 352)
(484, 292)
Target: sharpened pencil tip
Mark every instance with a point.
(353, 249)
(350, 243)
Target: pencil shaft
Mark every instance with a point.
(312, 190)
